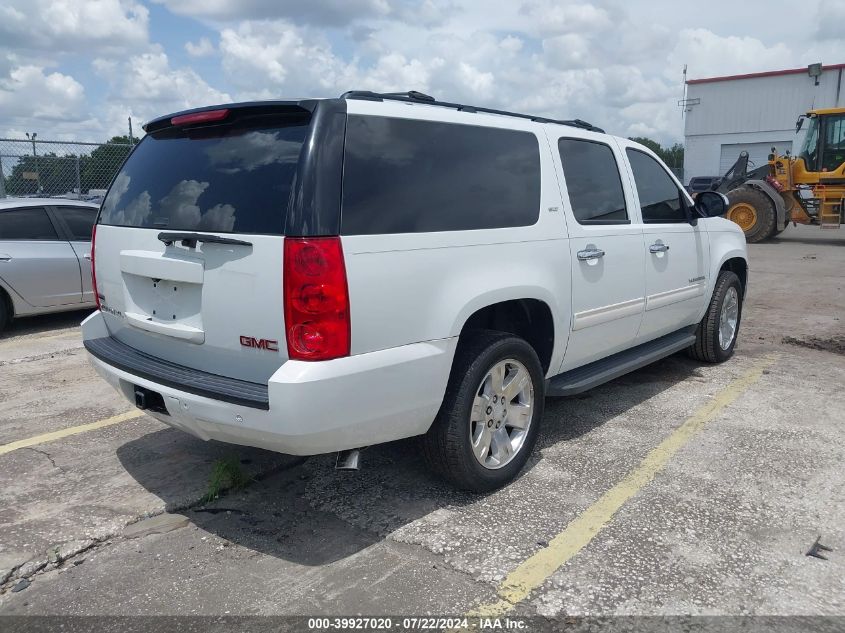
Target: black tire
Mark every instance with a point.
(766, 223)
(5, 311)
(706, 347)
(447, 445)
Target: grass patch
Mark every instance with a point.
(227, 474)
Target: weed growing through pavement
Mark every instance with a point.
(226, 475)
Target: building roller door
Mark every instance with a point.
(758, 153)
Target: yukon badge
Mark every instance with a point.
(260, 343)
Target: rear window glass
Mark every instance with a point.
(411, 176)
(227, 179)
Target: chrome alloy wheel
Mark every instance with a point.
(728, 318)
(501, 414)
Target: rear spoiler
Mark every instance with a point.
(247, 108)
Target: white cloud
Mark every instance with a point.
(31, 93)
(324, 12)
(148, 84)
(830, 19)
(73, 25)
(145, 86)
(332, 13)
(276, 54)
(612, 63)
(552, 17)
(708, 54)
(202, 48)
(570, 50)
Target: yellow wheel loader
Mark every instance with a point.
(805, 189)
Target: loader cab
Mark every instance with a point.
(823, 149)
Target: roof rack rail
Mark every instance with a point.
(413, 96)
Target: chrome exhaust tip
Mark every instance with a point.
(349, 459)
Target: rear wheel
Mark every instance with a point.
(754, 212)
(490, 416)
(715, 337)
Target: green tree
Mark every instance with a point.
(105, 161)
(56, 175)
(672, 156)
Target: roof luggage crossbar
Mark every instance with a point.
(417, 97)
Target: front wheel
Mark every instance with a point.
(715, 337)
(754, 212)
(490, 416)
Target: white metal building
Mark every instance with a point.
(754, 112)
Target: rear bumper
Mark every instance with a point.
(311, 407)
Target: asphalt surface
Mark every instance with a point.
(722, 529)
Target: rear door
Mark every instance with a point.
(677, 253)
(78, 222)
(211, 299)
(35, 261)
(606, 249)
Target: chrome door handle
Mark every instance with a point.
(590, 253)
(5, 258)
(658, 248)
(87, 256)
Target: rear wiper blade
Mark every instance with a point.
(190, 239)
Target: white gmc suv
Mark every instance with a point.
(322, 275)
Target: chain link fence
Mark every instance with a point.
(69, 169)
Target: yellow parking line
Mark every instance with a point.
(73, 430)
(535, 570)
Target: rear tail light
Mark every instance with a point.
(316, 299)
(94, 268)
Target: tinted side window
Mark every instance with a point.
(593, 181)
(26, 224)
(79, 220)
(409, 176)
(660, 198)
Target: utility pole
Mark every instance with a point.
(131, 142)
(2, 179)
(35, 156)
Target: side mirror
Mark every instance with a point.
(711, 204)
(799, 124)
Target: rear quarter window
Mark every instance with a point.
(79, 221)
(232, 179)
(412, 176)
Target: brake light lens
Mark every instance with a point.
(94, 268)
(208, 116)
(316, 299)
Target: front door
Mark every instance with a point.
(606, 247)
(677, 253)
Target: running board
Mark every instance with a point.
(601, 371)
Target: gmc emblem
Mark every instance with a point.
(260, 343)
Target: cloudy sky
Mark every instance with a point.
(75, 69)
